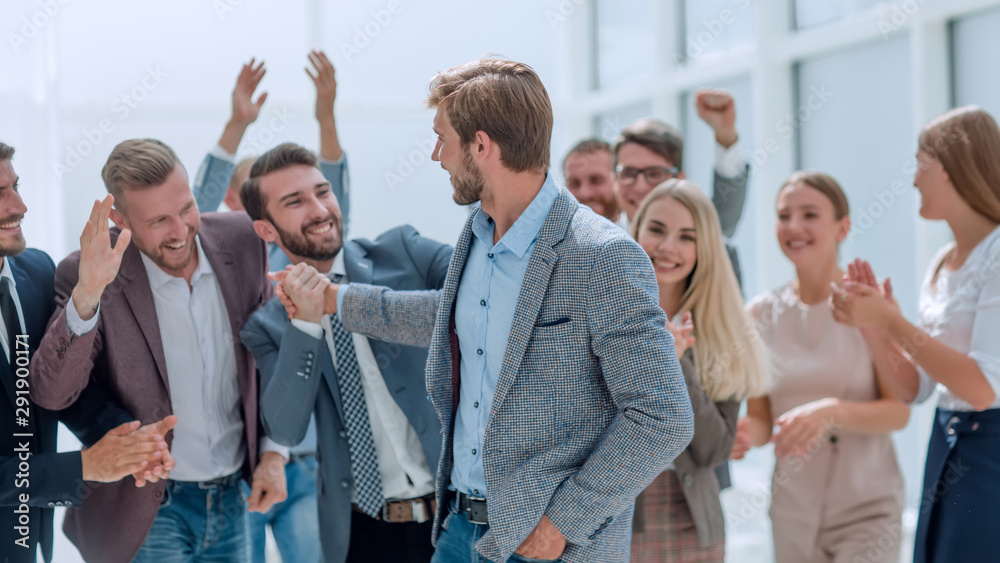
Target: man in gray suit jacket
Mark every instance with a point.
(550, 366)
(376, 429)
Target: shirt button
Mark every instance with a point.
(479, 351)
(490, 255)
(475, 491)
(342, 434)
(474, 450)
(475, 405)
(482, 302)
(345, 484)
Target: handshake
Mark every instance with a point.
(305, 293)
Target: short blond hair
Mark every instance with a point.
(504, 99)
(137, 164)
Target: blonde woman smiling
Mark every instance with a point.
(679, 517)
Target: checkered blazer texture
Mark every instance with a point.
(590, 404)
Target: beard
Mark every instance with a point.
(159, 256)
(299, 243)
(468, 180)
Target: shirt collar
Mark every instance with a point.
(157, 277)
(338, 266)
(525, 230)
(6, 272)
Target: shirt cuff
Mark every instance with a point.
(221, 153)
(75, 324)
(268, 445)
(340, 301)
(312, 329)
(729, 163)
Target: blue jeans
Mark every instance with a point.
(457, 541)
(198, 524)
(295, 522)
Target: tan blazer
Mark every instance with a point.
(714, 434)
(125, 353)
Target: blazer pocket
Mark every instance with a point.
(554, 322)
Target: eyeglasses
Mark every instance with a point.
(627, 175)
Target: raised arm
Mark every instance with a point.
(717, 108)
(66, 354)
(332, 162)
(212, 180)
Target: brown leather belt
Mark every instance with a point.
(417, 510)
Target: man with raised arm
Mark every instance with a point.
(152, 310)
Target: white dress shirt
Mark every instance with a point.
(5, 272)
(402, 464)
(962, 309)
(201, 368)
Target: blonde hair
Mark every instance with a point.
(966, 141)
(504, 99)
(137, 164)
(728, 354)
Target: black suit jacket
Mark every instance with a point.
(27, 498)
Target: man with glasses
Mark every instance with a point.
(649, 152)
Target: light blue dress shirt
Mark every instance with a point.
(484, 311)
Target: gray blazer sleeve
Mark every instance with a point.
(288, 385)
(714, 422)
(399, 317)
(729, 196)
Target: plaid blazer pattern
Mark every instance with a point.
(590, 404)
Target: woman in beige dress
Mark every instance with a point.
(837, 492)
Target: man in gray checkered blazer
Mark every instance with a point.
(550, 366)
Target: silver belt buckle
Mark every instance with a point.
(419, 508)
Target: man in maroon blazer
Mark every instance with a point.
(152, 311)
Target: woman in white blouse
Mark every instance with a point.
(956, 343)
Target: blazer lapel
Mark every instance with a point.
(533, 290)
(357, 264)
(140, 300)
(447, 397)
(223, 263)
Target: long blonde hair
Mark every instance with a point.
(728, 355)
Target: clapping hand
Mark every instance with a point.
(683, 339)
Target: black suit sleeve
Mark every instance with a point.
(93, 414)
(51, 477)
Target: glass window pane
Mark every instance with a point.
(865, 138)
(711, 26)
(810, 12)
(975, 43)
(624, 40)
(608, 125)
